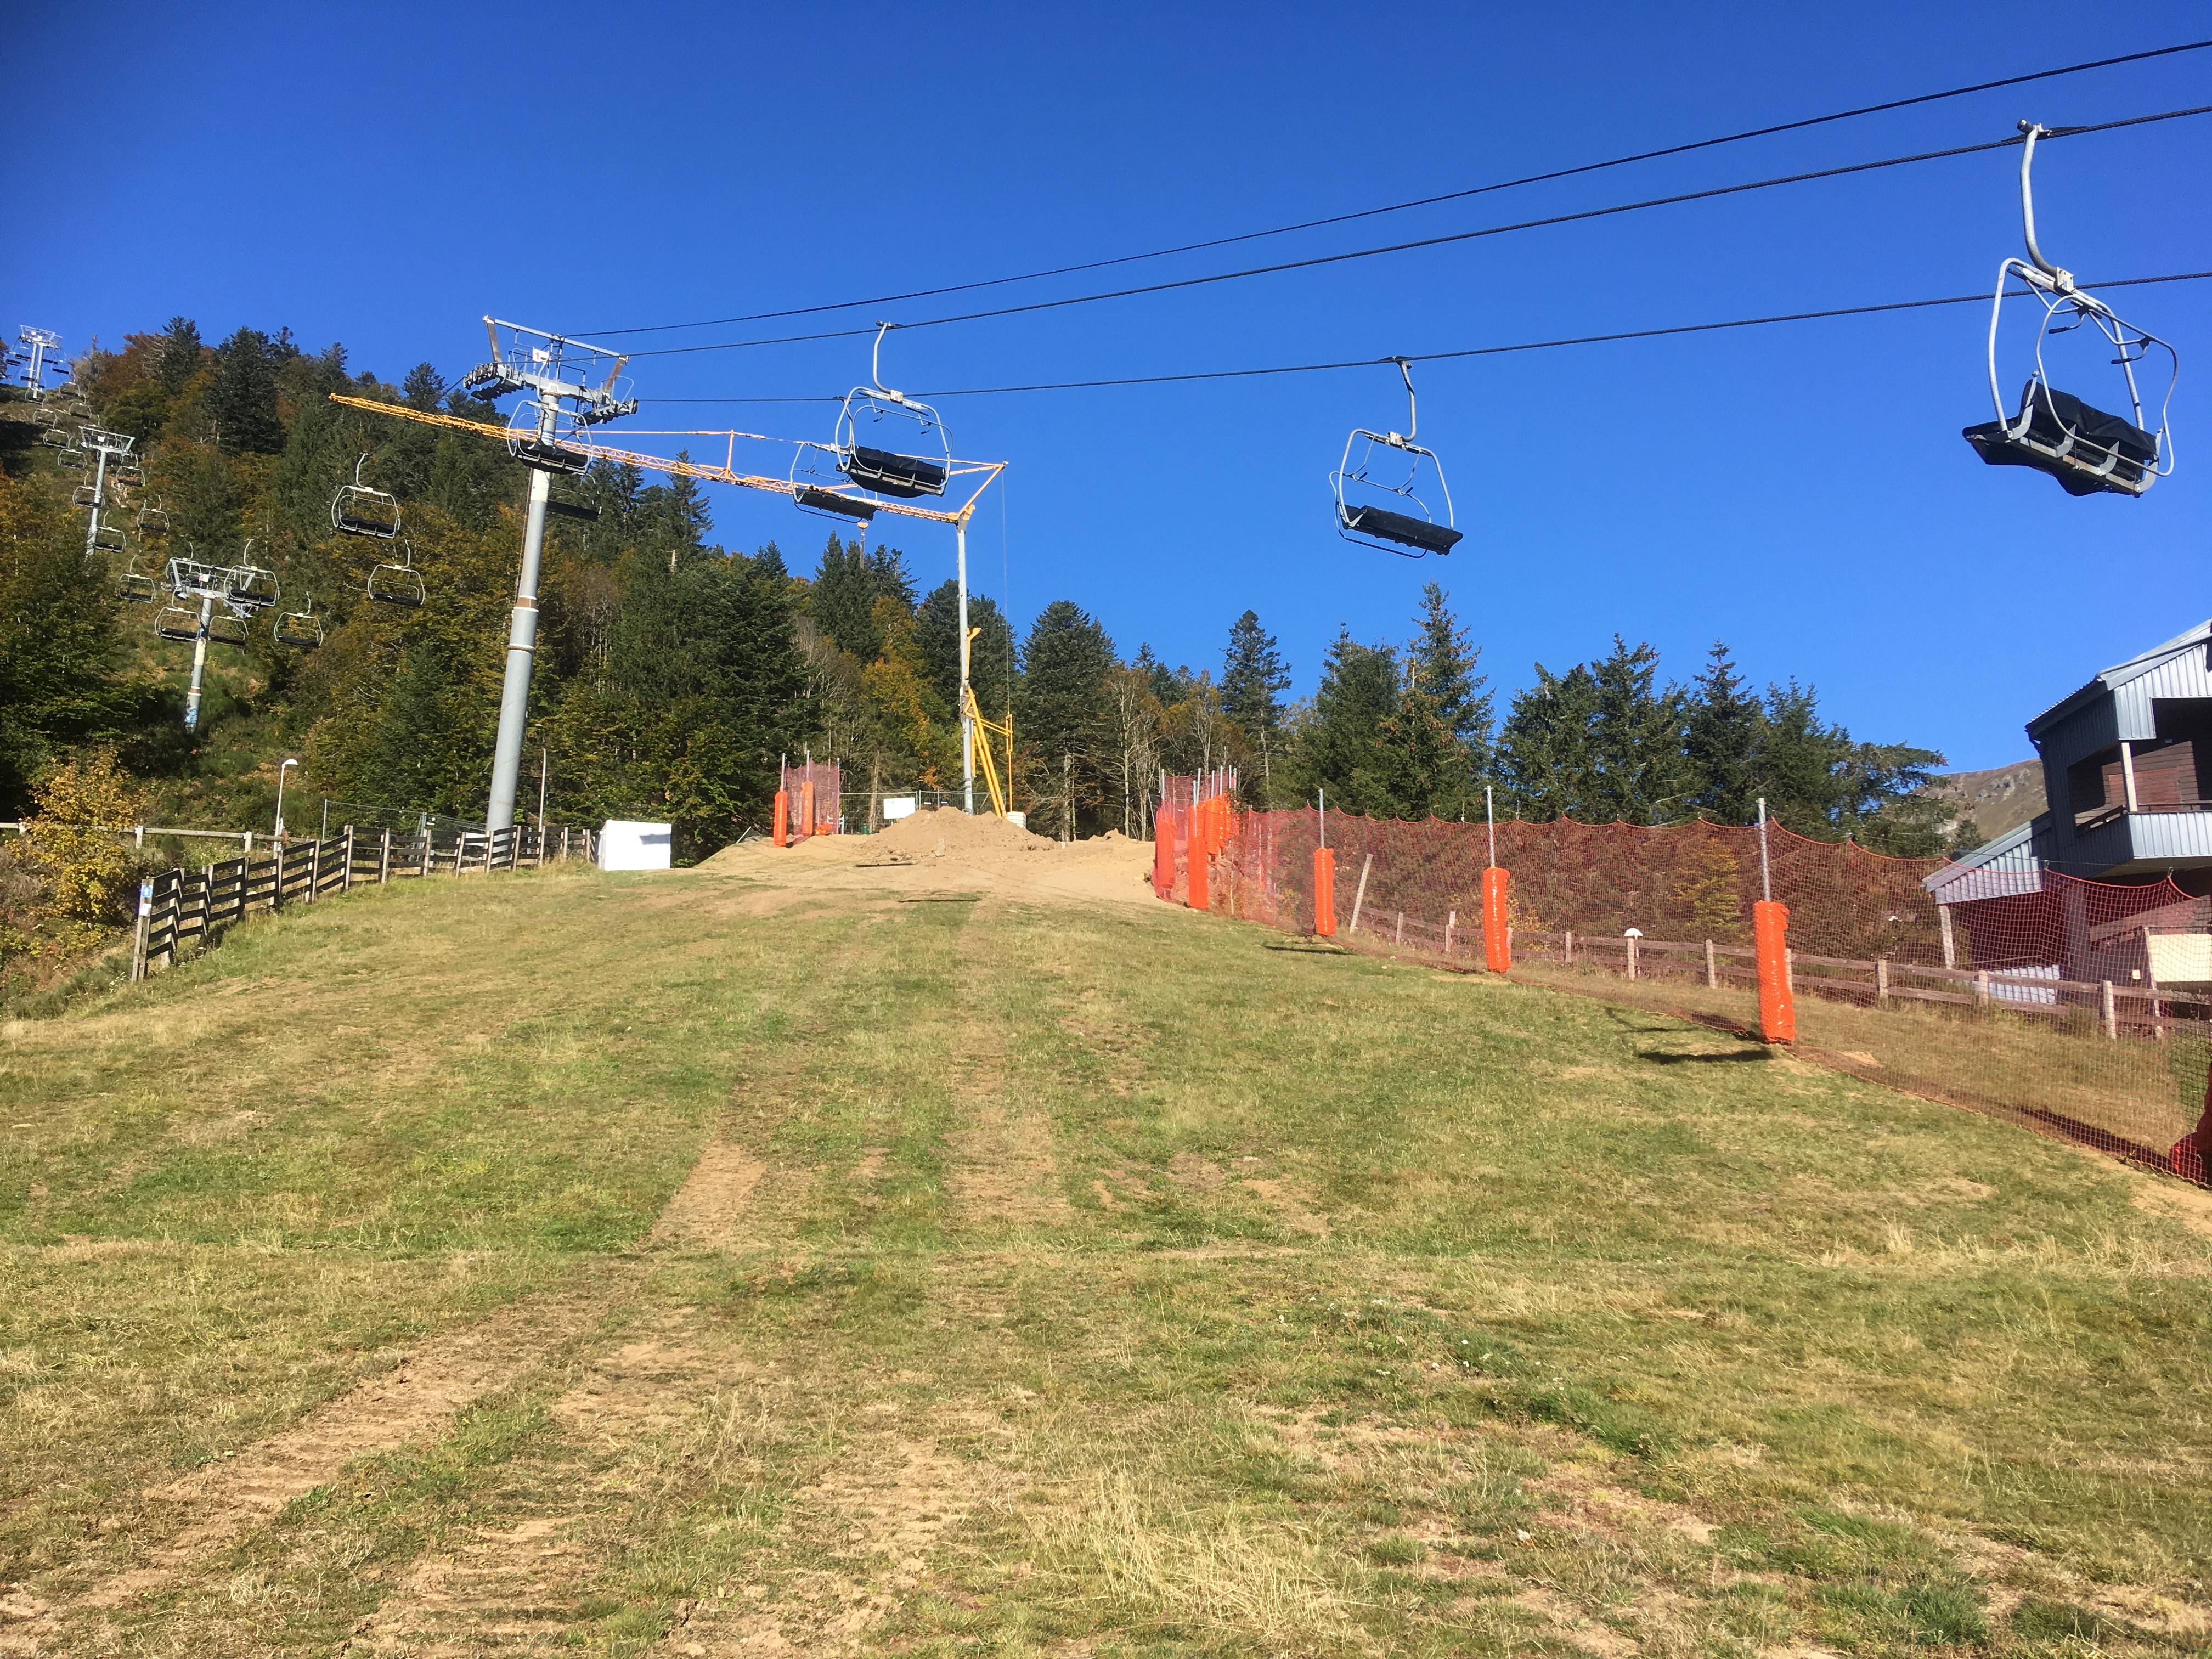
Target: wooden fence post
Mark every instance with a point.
(564, 843)
(1360, 897)
(425, 853)
(277, 892)
(1712, 969)
(314, 868)
(1632, 956)
(1950, 947)
(2110, 1009)
(1568, 936)
(1881, 980)
(345, 881)
(1399, 937)
(1790, 973)
(1451, 921)
(384, 858)
(1982, 990)
(138, 939)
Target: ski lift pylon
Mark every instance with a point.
(397, 582)
(2088, 450)
(1392, 518)
(920, 466)
(360, 509)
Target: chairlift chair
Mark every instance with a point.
(299, 627)
(175, 622)
(136, 587)
(152, 518)
(84, 495)
(819, 485)
(2088, 450)
(226, 629)
(398, 583)
(566, 449)
(108, 538)
(922, 468)
(248, 588)
(1392, 518)
(71, 457)
(360, 509)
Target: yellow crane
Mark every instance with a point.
(982, 471)
(985, 730)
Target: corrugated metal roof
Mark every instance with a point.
(2003, 868)
(2118, 676)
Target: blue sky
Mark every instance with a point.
(383, 176)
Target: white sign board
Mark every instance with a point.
(626, 845)
(900, 806)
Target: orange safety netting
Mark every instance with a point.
(2078, 1006)
(812, 790)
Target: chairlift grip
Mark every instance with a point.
(876, 364)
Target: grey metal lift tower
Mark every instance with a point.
(572, 388)
(107, 446)
(43, 343)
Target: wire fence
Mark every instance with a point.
(807, 801)
(2082, 1009)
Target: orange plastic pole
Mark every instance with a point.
(1198, 857)
(1163, 852)
(783, 817)
(806, 808)
(1324, 892)
(1497, 948)
(1770, 932)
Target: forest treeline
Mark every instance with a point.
(672, 673)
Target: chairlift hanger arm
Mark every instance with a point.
(705, 471)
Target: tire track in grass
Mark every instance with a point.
(431, 1386)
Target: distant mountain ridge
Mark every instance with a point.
(2000, 799)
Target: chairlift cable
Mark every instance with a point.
(1981, 298)
(1420, 201)
(1429, 242)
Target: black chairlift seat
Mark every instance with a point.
(888, 473)
(549, 457)
(394, 585)
(1401, 528)
(180, 625)
(2088, 451)
(354, 525)
(572, 510)
(297, 627)
(828, 500)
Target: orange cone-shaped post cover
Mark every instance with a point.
(1496, 947)
(783, 817)
(806, 808)
(1770, 932)
(1324, 892)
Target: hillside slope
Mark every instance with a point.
(789, 1254)
(2000, 799)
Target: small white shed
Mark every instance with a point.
(626, 845)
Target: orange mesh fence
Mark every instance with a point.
(810, 794)
(2077, 1008)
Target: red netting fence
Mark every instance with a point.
(2079, 1007)
(812, 789)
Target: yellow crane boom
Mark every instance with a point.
(985, 730)
(983, 471)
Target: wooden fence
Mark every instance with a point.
(2116, 1010)
(181, 905)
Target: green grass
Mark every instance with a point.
(1115, 1282)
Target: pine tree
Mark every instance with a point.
(991, 659)
(423, 388)
(242, 402)
(1636, 740)
(842, 601)
(1339, 745)
(1722, 739)
(1253, 678)
(180, 354)
(1063, 723)
(1443, 665)
(1545, 754)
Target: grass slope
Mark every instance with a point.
(1056, 1278)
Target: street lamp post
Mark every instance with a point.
(281, 771)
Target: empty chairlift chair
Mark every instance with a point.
(1393, 517)
(360, 509)
(299, 627)
(136, 587)
(2089, 451)
(396, 582)
(175, 622)
(908, 454)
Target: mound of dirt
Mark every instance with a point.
(920, 833)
